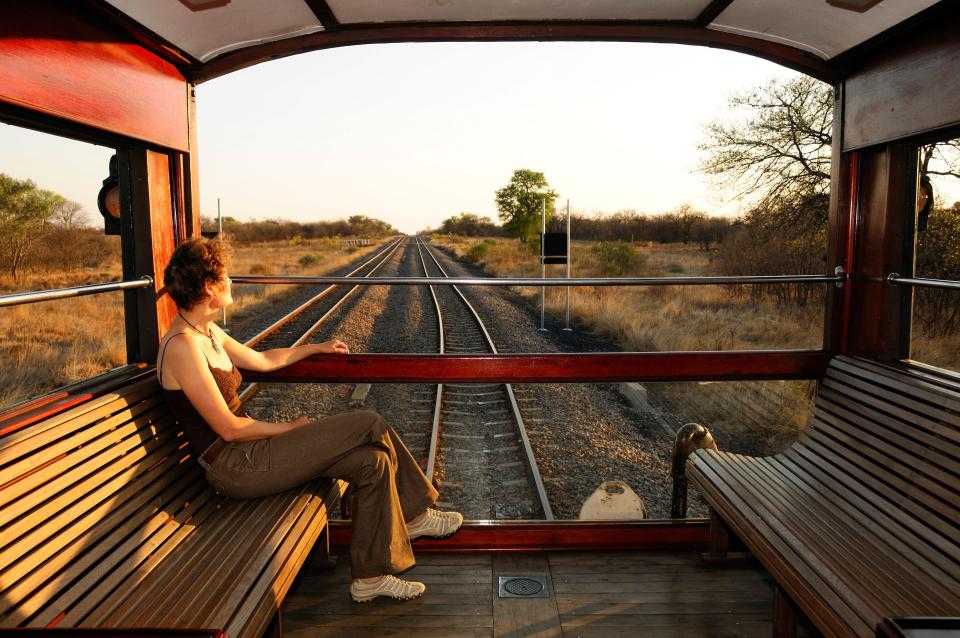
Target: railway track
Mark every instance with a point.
(479, 451)
(473, 440)
(298, 325)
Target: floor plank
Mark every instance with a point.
(520, 617)
(609, 595)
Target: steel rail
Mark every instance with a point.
(435, 426)
(269, 330)
(921, 282)
(20, 298)
(532, 281)
(532, 467)
(383, 256)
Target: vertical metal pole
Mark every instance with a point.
(566, 324)
(543, 264)
(220, 236)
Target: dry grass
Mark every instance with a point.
(284, 259)
(47, 345)
(658, 319)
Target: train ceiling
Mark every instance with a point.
(207, 38)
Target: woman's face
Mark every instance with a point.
(221, 295)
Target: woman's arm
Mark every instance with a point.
(189, 367)
(268, 360)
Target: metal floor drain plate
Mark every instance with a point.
(524, 587)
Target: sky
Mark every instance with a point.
(415, 133)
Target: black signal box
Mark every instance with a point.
(553, 248)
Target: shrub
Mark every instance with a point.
(674, 267)
(478, 251)
(261, 269)
(614, 258)
(308, 260)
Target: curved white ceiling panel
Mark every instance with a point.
(814, 25)
(207, 32)
(352, 11)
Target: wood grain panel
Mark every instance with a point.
(541, 368)
(879, 312)
(56, 60)
(910, 89)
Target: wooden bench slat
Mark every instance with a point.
(889, 416)
(910, 469)
(852, 542)
(80, 394)
(130, 440)
(867, 487)
(846, 562)
(59, 504)
(49, 445)
(933, 383)
(79, 572)
(929, 447)
(201, 567)
(916, 396)
(895, 488)
(116, 585)
(889, 528)
(80, 516)
(281, 540)
(836, 612)
(74, 419)
(105, 516)
(251, 563)
(860, 518)
(46, 565)
(262, 600)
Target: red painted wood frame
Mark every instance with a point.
(551, 368)
(879, 313)
(56, 61)
(67, 71)
(538, 536)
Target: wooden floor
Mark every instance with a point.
(650, 594)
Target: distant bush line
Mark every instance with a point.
(285, 230)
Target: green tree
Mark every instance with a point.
(519, 203)
(25, 211)
(469, 224)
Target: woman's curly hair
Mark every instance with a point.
(195, 264)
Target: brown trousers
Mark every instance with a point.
(387, 486)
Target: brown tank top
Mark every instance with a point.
(195, 428)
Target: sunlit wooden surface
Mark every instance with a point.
(593, 594)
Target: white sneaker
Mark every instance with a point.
(389, 586)
(435, 524)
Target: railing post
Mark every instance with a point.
(690, 437)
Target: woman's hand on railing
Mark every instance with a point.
(334, 346)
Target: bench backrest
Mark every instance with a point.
(892, 435)
(86, 497)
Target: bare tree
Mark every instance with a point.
(780, 150)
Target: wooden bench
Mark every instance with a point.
(107, 521)
(860, 519)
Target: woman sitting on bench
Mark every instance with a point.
(247, 458)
